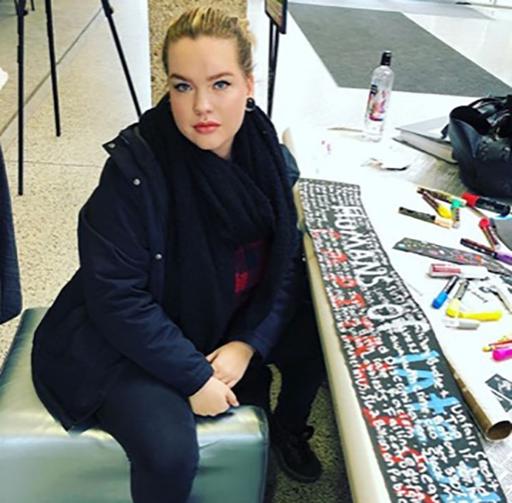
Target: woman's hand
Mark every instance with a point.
(212, 399)
(230, 361)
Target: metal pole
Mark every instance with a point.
(108, 12)
(53, 64)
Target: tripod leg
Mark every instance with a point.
(53, 64)
(272, 65)
(108, 13)
(20, 11)
(33, 7)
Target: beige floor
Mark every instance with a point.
(61, 172)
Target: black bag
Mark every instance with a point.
(481, 136)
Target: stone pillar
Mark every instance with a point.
(160, 14)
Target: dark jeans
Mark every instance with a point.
(157, 429)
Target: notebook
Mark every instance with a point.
(427, 137)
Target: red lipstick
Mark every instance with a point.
(206, 127)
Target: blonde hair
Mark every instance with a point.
(211, 22)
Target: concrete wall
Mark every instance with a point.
(160, 14)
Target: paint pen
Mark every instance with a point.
(454, 304)
(481, 316)
(443, 294)
(443, 270)
(498, 255)
(455, 212)
(496, 345)
(500, 354)
(453, 310)
(442, 195)
(434, 219)
(485, 203)
(485, 226)
(440, 208)
(462, 324)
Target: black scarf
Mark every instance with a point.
(215, 206)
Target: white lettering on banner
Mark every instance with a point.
(427, 445)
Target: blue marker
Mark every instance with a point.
(443, 294)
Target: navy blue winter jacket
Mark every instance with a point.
(111, 310)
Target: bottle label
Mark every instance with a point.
(377, 103)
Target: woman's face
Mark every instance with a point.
(208, 91)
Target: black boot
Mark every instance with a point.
(293, 452)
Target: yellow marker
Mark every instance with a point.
(483, 316)
(444, 211)
(441, 209)
(453, 310)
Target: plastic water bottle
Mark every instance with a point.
(378, 98)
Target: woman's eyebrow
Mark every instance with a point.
(213, 77)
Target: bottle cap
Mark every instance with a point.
(386, 58)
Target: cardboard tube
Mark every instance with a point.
(491, 428)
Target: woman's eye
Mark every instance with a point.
(221, 84)
(181, 87)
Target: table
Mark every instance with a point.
(326, 154)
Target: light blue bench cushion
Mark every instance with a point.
(42, 463)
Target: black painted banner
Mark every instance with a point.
(426, 444)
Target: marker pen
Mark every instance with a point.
(501, 354)
(498, 255)
(473, 245)
(496, 345)
(455, 211)
(481, 316)
(442, 210)
(485, 225)
(443, 294)
(454, 304)
(434, 219)
(453, 311)
(442, 270)
(486, 203)
(442, 195)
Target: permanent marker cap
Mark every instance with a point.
(471, 199)
(464, 324)
(501, 354)
(439, 300)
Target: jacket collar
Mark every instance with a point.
(135, 159)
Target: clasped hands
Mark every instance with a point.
(229, 363)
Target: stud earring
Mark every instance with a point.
(250, 105)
